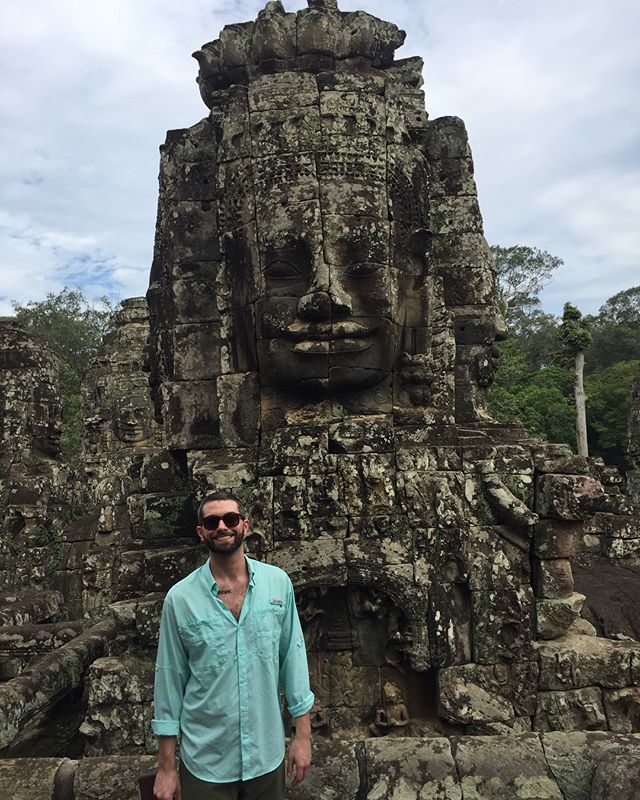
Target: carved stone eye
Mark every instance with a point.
(282, 270)
(362, 269)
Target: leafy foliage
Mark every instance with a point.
(522, 272)
(615, 330)
(574, 334)
(541, 399)
(73, 329)
(609, 393)
(535, 382)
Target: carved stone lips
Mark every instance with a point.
(338, 330)
(340, 337)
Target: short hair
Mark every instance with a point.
(220, 494)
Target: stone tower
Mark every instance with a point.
(35, 486)
(323, 337)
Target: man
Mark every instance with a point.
(229, 635)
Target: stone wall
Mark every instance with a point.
(552, 766)
(36, 488)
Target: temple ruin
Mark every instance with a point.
(320, 336)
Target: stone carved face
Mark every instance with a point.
(317, 215)
(46, 421)
(330, 316)
(132, 420)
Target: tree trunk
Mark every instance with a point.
(581, 411)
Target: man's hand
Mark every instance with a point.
(167, 784)
(300, 749)
(299, 759)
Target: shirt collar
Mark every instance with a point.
(210, 581)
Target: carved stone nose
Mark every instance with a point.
(315, 306)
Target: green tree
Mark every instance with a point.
(73, 328)
(575, 337)
(540, 399)
(609, 393)
(616, 331)
(521, 273)
(622, 308)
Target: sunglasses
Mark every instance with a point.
(231, 519)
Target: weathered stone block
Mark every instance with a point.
(556, 539)
(455, 214)
(191, 232)
(553, 578)
(433, 499)
(192, 415)
(163, 568)
(283, 90)
(161, 517)
(195, 348)
(447, 138)
(28, 778)
(555, 617)
(377, 554)
(473, 693)
(615, 526)
(232, 470)
(281, 131)
(622, 707)
(574, 757)
(450, 623)
(239, 409)
(573, 710)
(568, 497)
(311, 563)
(368, 485)
(290, 174)
(575, 662)
(110, 778)
(617, 776)
(339, 776)
(419, 768)
(489, 770)
(115, 680)
(147, 618)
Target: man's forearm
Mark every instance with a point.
(303, 726)
(167, 782)
(167, 752)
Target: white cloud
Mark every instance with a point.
(548, 92)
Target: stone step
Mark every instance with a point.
(28, 606)
(551, 766)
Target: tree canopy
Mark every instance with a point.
(534, 382)
(73, 328)
(522, 272)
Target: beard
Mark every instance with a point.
(226, 547)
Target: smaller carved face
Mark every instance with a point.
(132, 420)
(46, 422)
(392, 693)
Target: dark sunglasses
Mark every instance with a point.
(231, 519)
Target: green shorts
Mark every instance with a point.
(265, 787)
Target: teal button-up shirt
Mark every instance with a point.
(217, 678)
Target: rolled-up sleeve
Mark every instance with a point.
(294, 670)
(172, 673)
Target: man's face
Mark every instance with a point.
(222, 539)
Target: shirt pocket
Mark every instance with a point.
(268, 626)
(207, 646)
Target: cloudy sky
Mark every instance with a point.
(548, 90)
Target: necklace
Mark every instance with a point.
(224, 591)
